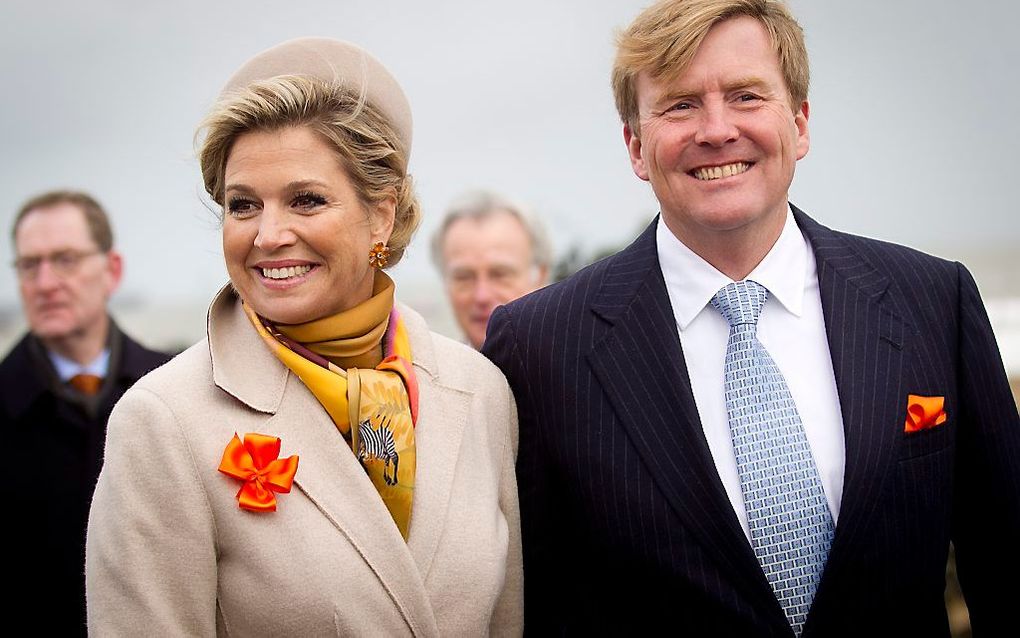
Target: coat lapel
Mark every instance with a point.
(442, 417)
(328, 473)
(867, 343)
(641, 367)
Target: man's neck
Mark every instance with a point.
(734, 253)
(82, 347)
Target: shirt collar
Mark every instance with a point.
(66, 368)
(692, 281)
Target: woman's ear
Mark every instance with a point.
(383, 214)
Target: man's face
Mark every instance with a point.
(488, 263)
(60, 305)
(719, 143)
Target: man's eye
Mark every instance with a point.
(747, 97)
(64, 259)
(681, 106)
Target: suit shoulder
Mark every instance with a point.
(15, 360)
(580, 286)
(461, 366)
(139, 360)
(899, 262)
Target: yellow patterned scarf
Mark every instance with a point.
(369, 392)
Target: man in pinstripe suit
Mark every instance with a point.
(633, 502)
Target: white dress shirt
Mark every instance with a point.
(791, 328)
(66, 368)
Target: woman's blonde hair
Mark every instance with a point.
(665, 37)
(366, 143)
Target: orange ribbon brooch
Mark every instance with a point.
(924, 413)
(257, 464)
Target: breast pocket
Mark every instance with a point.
(915, 445)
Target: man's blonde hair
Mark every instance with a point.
(664, 38)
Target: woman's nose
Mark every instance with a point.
(274, 230)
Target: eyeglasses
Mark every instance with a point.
(63, 263)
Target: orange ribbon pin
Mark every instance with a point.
(256, 462)
(924, 413)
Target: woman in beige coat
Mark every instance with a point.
(321, 464)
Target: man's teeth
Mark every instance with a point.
(285, 273)
(718, 172)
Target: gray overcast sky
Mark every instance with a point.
(914, 124)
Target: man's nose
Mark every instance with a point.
(716, 126)
(484, 291)
(46, 278)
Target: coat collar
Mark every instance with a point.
(27, 374)
(329, 474)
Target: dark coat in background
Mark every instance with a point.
(625, 522)
(53, 451)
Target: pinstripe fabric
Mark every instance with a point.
(625, 522)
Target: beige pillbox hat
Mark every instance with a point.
(332, 61)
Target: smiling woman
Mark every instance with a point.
(295, 234)
(405, 519)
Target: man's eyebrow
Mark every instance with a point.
(748, 82)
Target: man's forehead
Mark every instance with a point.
(61, 225)
(498, 227)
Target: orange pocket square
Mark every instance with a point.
(924, 413)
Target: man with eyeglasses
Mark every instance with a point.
(57, 388)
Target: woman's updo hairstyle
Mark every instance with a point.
(337, 90)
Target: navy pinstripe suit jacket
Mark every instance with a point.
(626, 524)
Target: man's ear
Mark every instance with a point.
(633, 141)
(114, 271)
(800, 119)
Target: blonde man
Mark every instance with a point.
(745, 423)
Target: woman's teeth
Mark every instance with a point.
(285, 273)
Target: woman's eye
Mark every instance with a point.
(308, 200)
(240, 207)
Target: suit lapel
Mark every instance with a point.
(641, 367)
(328, 473)
(867, 344)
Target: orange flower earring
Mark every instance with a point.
(379, 256)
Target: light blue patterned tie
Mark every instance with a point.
(791, 527)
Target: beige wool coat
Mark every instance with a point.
(169, 553)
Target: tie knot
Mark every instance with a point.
(88, 384)
(741, 302)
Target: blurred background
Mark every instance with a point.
(913, 125)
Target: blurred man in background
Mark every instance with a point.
(489, 252)
(57, 388)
